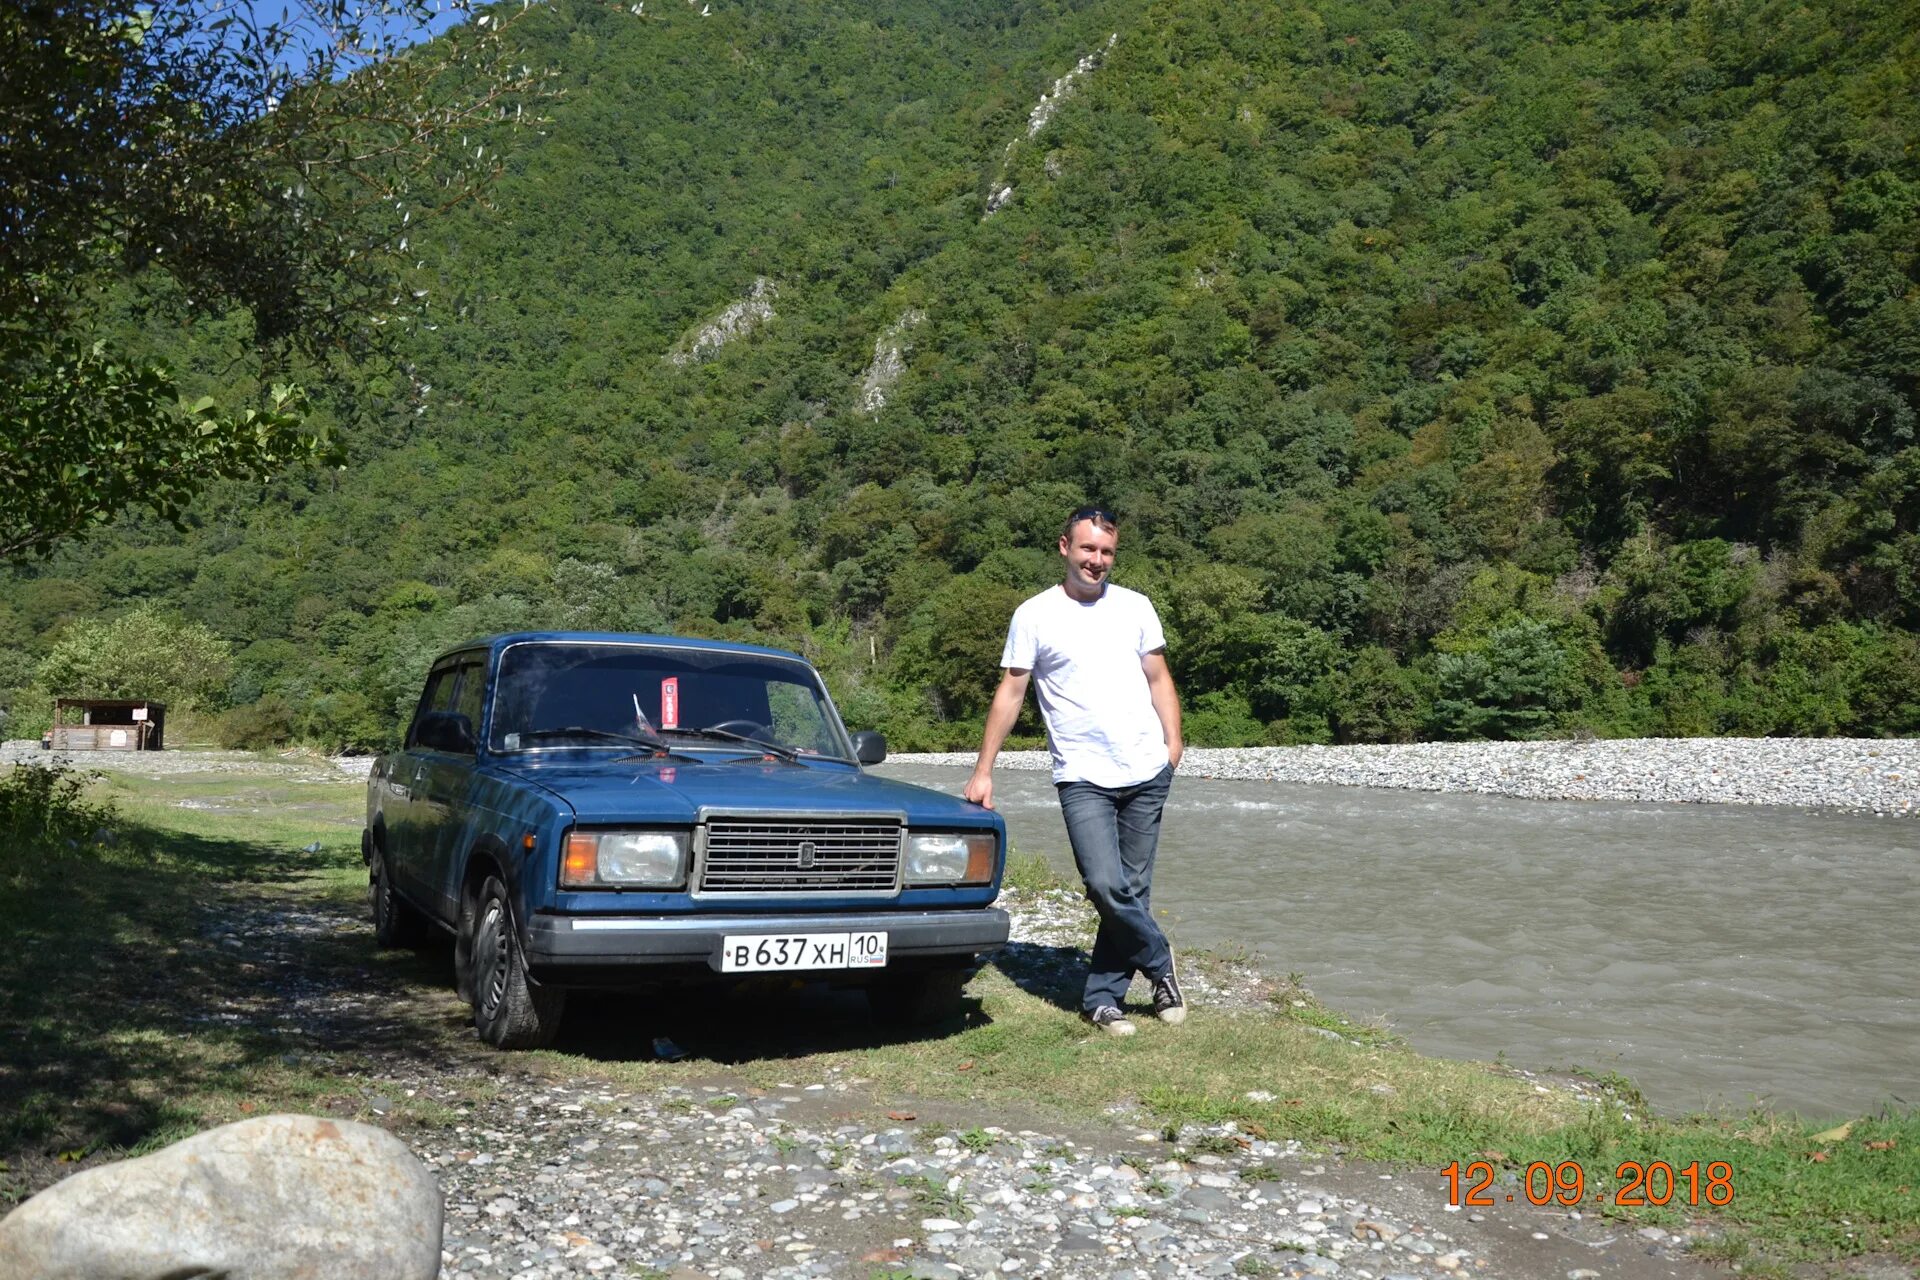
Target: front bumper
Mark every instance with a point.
(560, 948)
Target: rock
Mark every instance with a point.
(980, 1260)
(279, 1197)
(1208, 1199)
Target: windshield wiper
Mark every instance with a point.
(728, 735)
(606, 735)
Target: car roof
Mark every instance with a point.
(493, 644)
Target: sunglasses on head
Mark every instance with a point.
(1093, 513)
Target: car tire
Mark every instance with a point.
(917, 998)
(510, 1011)
(396, 922)
(463, 946)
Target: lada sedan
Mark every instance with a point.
(605, 811)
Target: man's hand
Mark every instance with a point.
(1001, 714)
(1166, 703)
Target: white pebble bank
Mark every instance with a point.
(1871, 775)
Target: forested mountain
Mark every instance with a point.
(1456, 370)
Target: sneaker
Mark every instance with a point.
(1110, 1020)
(1168, 1004)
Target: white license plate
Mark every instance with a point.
(761, 952)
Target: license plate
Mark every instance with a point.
(761, 952)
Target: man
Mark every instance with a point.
(1099, 662)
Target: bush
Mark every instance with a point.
(257, 726)
(1377, 700)
(1509, 686)
(45, 809)
(1886, 696)
(1222, 720)
(143, 654)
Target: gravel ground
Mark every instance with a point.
(1868, 775)
(709, 1179)
(287, 766)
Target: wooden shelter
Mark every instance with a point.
(107, 724)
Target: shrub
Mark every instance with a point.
(1221, 719)
(45, 809)
(257, 726)
(143, 654)
(1377, 700)
(1507, 687)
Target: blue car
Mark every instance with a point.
(611, 811)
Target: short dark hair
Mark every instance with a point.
(1102, 518)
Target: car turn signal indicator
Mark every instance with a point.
(581, 865)
(980, 861)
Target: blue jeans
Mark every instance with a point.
(1114, 831)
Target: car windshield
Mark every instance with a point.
(571, 696)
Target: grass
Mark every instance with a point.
(933, 1197)
(176, 1031)
(1031, 872)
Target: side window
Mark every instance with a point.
(438, 696)
(473, 682)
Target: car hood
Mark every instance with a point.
(676, 791)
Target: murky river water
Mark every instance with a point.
(1715, 954)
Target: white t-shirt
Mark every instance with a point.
(1085, 660)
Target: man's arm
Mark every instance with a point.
(1004, 710)
(1166, 702)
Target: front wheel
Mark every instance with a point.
(509, 1010)
(917, 998)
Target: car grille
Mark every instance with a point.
(754, 855)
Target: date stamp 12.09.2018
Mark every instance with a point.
(1636, 1184)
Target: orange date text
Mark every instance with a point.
(1637, 1184)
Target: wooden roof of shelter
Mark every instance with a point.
(109, 702)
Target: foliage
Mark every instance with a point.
(1499, 370)
(268, 167)
(142, 654)
(88, 436)
(45, 809)
(270, 722)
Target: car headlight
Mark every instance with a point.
(623, 859)
(958, 857)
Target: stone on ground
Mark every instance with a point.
(281, 1197)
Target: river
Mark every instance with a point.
(1717, 955)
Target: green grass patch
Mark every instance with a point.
(1031, 872)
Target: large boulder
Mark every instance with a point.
(277, 1198)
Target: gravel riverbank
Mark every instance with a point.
(1860, 775)
(1865, 775)
(708, 1178)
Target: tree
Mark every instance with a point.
(274, 168)
(143, 654)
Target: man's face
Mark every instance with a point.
(1088, 551)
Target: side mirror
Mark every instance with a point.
(869, 747)
(445, 731)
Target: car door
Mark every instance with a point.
(408, 839)
(446, 784)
